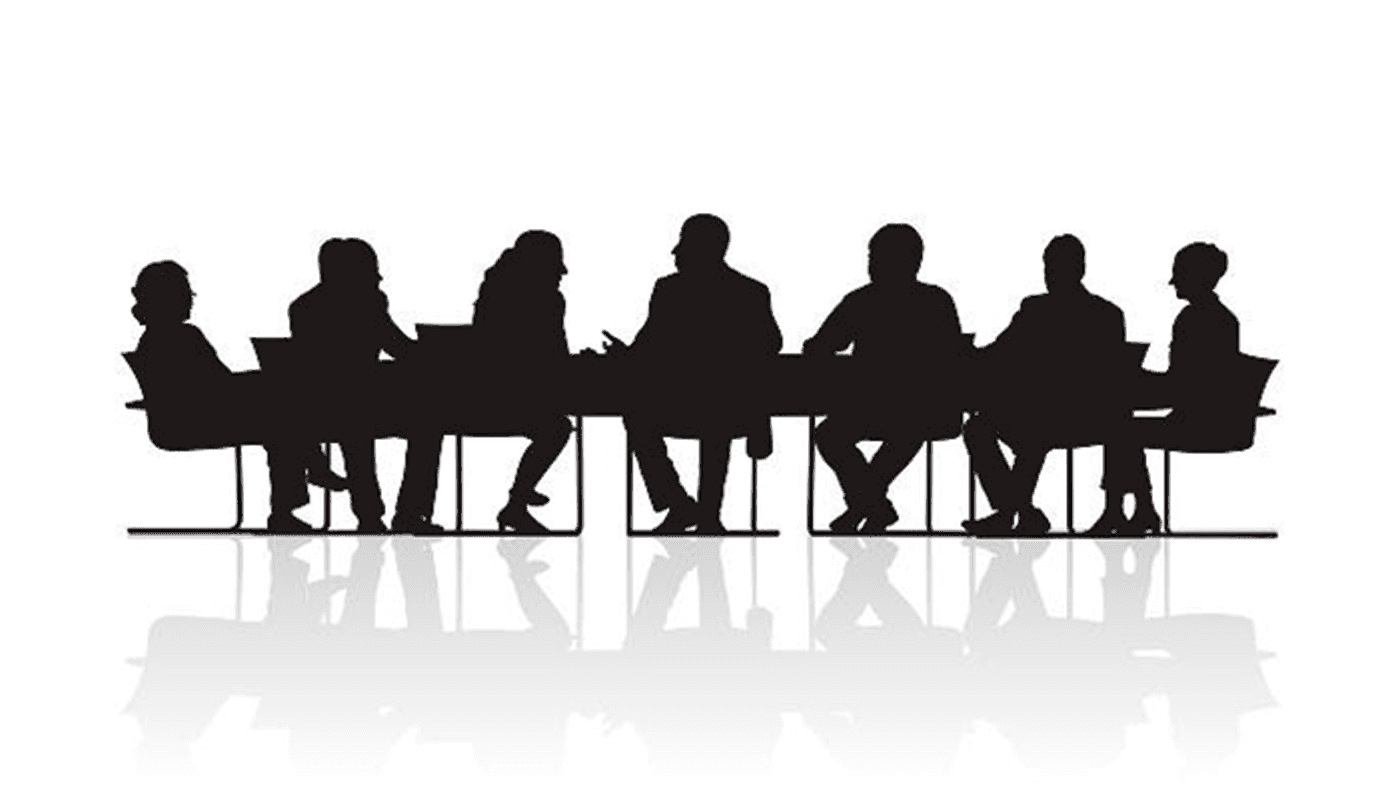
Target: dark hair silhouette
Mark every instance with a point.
(1197, 268)
(345, 261)
(704, 240)
(896, 252)
(1064, 262)
(162, 293)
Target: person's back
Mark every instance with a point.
(519, 311)
(338, 327)
(716, 317)
(178, 363)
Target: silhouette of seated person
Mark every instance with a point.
(901, 329)
(1205, 348)
(340, 326)
(185, 380)
(709, 333)
(519, 323)
(1041, 382)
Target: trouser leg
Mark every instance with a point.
(418, 490)
(1025, 474)
(890, 460)
(546, 443)
(658, 473)
(286, 468)
(836, 441)
(714, 469)
(989, 463)
(362, 473)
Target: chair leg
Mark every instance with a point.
(326, 493)
(1166, 491)
(1069, 489)
(811, 474)
(457, 448)
(578, 471)
(237, 488)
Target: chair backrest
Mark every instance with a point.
(275, 354)
(134, 362)
(1253, 376)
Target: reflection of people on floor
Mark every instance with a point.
(692, 700)
(888, 696)
(1060, 691)
(519, 327)
(1067, 337)
(187, 385)
(340, 326)
(900, 329)
(346, 692)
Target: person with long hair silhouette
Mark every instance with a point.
(340, 326)
(519, 324)
(1205, 343)
(1041, 381)
(708, 334)
(899, 328)
(184, 378)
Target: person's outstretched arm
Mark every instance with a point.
(835, 334)
(393, 340)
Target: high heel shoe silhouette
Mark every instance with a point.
(514, 517)
(1144, 522)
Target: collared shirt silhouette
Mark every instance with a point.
(340, 327)
(1205, 344)
(185, 380)
(900, 330)
(518, 324)
(708, 331)
(1045, 380)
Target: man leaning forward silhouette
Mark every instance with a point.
(709, 334)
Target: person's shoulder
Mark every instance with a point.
(307, 299)
(1105, 306)
(1036, 302)
(750, 284)
(933, 292)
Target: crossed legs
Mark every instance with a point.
(866, 485)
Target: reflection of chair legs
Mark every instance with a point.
(708, 492)
(664, 578)
(536, 605)
(458, 531)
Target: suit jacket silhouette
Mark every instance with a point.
(1059, 364)
(708, 335)
(345, 327)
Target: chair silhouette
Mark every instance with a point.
(948, 427)
(279, 356)
(164, 438)
(751, 531)
(446, 344)
(1232, 431)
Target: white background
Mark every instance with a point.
(235, 140)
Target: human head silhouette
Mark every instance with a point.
(896, 251)
(1064, 264)
(541, 254)
(163, 294)
(703, 243)
(1196, 270)
(348, 263)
